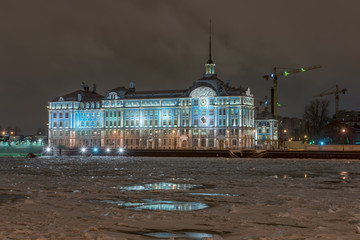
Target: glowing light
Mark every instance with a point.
(303, 70)
(108, 150)
(121, 150)
(48, 149)
(272, 75)
(343, 130)
(286, 73)
(321, 143)
(83, 149)
(96, 149)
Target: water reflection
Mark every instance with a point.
(188, 235)
(159, 186)
(10, 197)
(151, 204)
(344, 176)
(214, 194)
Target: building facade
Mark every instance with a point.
(266, 131)
(210, 114)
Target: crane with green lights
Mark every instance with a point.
(275, 74)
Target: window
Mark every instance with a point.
(234, 142)
(211, 111)
(55, 124)
(196, 102)
(211, 142)
(259, 130)
(203, 142)
(55, 115)
(196, 122)
(203, 111)
(259, 124)
(196, 112)
(60, 124)
(60, 115)
(66, 115)
(195, 142)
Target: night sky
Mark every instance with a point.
(47, 48)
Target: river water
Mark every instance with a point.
(179, 198)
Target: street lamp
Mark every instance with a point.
(174, 139)
(285, 131)
(343, 131)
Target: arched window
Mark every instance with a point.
(234, 142)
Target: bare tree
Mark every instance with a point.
(316, 116)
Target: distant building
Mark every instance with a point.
(210, 114)
(266, 127)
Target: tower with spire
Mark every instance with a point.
(210, 65)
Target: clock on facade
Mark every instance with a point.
(203, 102)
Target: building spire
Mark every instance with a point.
(210, 61)
(210, 65)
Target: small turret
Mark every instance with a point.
(132, 87)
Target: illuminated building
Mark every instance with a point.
(210, 114)
(266, 131)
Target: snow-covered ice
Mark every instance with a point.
(89, 198)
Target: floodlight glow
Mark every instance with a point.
(108, 150)
(48, 149)
(83, 149)
(121, 150)
(272, 75)
(321, 143)
(96, 149)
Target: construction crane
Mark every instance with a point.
(275, 74)
(336, 93)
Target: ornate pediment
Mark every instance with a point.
(203, 92)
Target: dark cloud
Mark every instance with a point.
(47, 48)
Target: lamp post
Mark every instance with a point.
(285, 131)
(343, 131)
(174, 139)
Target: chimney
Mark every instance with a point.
(94, 88)
(82, 86)
(132, 87)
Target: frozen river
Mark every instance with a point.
(179, 198)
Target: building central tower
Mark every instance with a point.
(210, 65)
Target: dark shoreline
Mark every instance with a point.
(215, 153)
